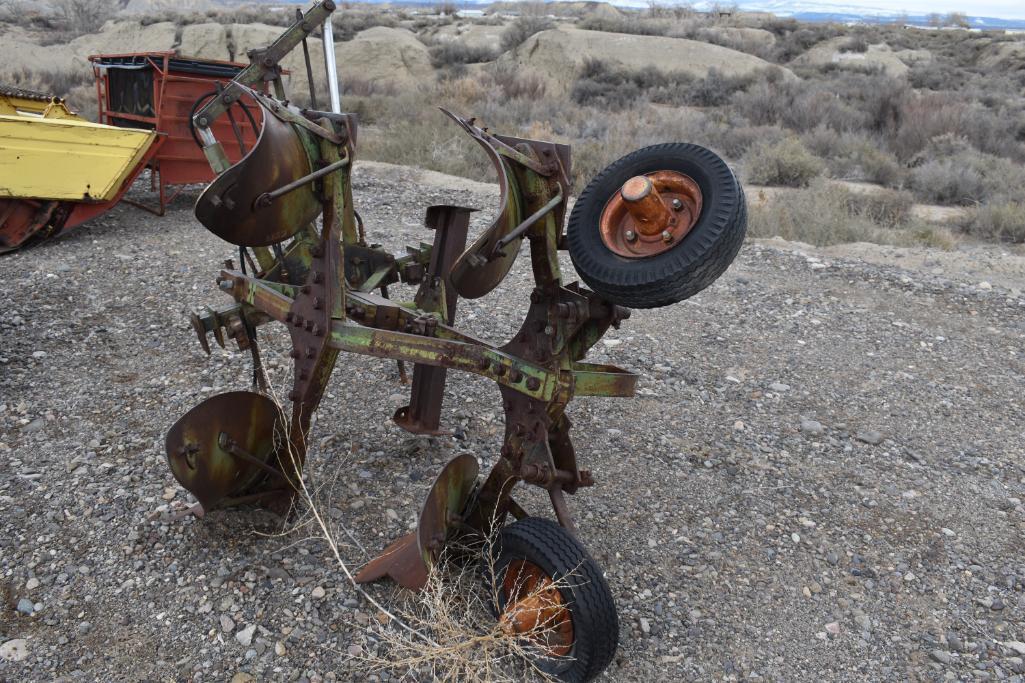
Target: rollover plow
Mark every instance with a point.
(654, 228)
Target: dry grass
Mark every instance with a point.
(786, 162)
(446, 631)
(455, 611)
(825, 214)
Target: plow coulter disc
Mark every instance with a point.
(224, 447)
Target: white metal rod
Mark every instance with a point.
(332, 68)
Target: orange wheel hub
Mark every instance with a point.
(535, 609)
(650, 214)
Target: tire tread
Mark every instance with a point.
(596, 623)
(687, 271)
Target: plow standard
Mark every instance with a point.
(654, 228)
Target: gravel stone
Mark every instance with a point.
(82, 496)
(245, 636)
(14, 650)
(812, 427)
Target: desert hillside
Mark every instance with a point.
(876, 133)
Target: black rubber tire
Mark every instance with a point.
(691, 265)
(595, 622)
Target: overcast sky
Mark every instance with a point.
(1003, 9)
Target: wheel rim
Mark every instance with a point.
(535, 609)
(650, 214)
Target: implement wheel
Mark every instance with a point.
(550, 592)
(657, 226)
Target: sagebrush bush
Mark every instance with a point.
(966, 177)
(740, 43)
(626, 24)
(514, 84)
(350, 22)
(855, 156)
(83, 16)
(786, 162)
(454, 52)
(1003, 221)
(790, 44)
(59, 82)
(825, 214)
(524, 27)
(888, 208)
(608, 85)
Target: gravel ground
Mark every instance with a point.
(821, 479)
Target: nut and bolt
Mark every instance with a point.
(630, 235)
(677, 205)
(667, 236)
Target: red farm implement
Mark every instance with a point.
(67, 170)
(160, 91)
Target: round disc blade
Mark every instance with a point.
(196, 452)
(447, 498)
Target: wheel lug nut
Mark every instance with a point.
(630, 235)
(677, 205)
(667, 236)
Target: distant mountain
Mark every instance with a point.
(802, 10)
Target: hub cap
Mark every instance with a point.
(650, 214)
(535, 608)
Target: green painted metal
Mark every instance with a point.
(322, 284)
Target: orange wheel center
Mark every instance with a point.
(650, 214)
(535, 609)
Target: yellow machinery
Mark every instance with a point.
(58, 169)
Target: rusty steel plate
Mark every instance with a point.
(227, 206)
(650, 214)
(407, 559)
(195, 449)
(478, 270)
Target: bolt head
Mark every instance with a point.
(630, 235)
(677, 205)
(667, 236)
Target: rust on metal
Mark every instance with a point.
(224, 446)
(535, 608)
(407, 559)
(228, 206)
(651, 214)
(329, 287)
(436, 294)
